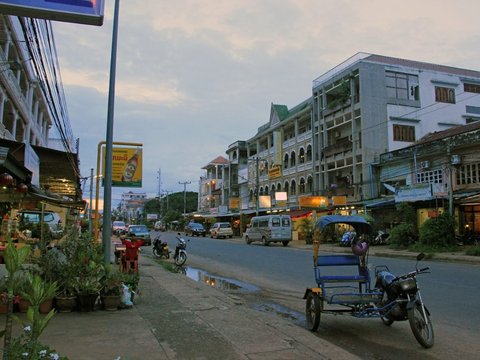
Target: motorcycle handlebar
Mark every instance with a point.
(412, 273)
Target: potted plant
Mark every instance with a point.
(88, 285)
(131, 280)
(111, 290)
(66, 297)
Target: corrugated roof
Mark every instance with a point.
(422, 65)
(460, 129)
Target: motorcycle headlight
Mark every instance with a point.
(408, 284)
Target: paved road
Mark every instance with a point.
(283, 274)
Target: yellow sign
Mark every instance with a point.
(313, 201)
(235, 203)
(274, 172)
(126, 166)
(339, 200)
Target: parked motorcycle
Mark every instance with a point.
(180, 255)
(381, 238)
(402, 301)
(160, 249)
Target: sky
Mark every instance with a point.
(194, 76)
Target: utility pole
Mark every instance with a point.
(185, 183)
(90, 225)
(159, 192)
(257, 184)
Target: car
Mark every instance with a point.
(269, 228)
(119, 227)
(195, 229)
(51, 218)
(221, 229)
(140, 232)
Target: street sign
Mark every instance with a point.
(88, 12)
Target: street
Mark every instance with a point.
(450, 292)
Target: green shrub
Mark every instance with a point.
(438, 232)
(403, 235)
(473, 251)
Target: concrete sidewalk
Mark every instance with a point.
(175, 317)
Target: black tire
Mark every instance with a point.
(285, 243)
(231, 236)
(265, 241)
(386, 321)
(421, 327)
(181, 258)
(247, 240)
(313, 311)
(157, 253)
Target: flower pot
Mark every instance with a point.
(46, 306)
(43, 308)
(23, 305)
(86, 302)
(65, 304)
(111, 302)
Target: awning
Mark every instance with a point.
(379, 203)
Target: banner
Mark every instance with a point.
(126, 167)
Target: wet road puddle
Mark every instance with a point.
(223, 283)
(218, 282)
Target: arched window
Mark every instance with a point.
(261, 191)
(292, 158)
(293, 187)
(309, 152)
(301, 188)
(285, 161)
(301, 156)
(285, 187)
(272, 192)
(250, 196)
(309, 184)
(266, 190)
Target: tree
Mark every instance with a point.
(439, 231)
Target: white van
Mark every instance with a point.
(269, 228)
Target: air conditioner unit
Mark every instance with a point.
(425, 164)
(456, 159)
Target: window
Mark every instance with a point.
(402, 86)
(285, 161)
(302, 186)
(301, 156)
(275, 222)
(468, 174)
(430, 177)
(403, 133)
(285, 221)
(309, 152)
(293, 187)
(292, 158)
(443, 94)
(473, 88)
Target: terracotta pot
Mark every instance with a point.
(65, 304)
(23, 305)
(111, 302)
(46, 306)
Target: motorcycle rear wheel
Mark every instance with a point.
(313, 311)
(421, 326)
(157, 253)
(181, 258)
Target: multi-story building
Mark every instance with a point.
(132, 204)
(371, 104)
(31, 106)
(214, 188)
(440, 172)
(330, 143)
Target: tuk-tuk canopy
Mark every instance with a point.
(360, 224)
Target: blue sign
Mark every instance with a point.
(77, 11)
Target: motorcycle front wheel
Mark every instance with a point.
(157, 253)
(421, 325)
(181, 258)
(313, 309)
